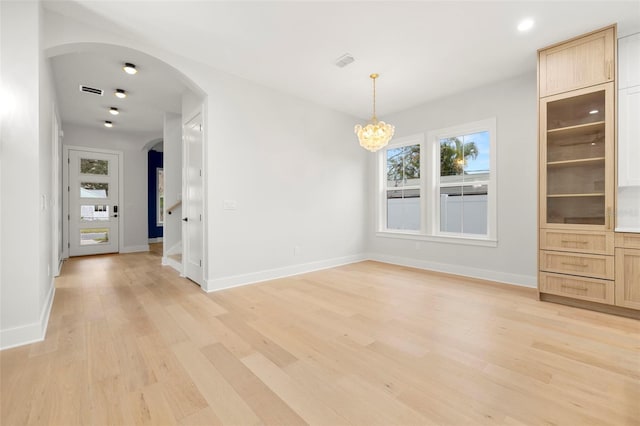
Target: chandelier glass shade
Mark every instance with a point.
(376, 134)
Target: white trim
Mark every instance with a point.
(30, 333)
(155, 240)
(58, 269)
(417, 139)
(167, 261)
(433, 146)
(65, 194)
(443, 238)
(224, 283)
(135, 249)
(465, 271)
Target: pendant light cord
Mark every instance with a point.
(374, 98)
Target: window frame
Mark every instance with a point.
(159, 209)
(383, 188)
(429, 187)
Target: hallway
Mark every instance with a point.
(130, 342)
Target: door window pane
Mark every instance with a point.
(94, 212)
(93, 236)
(90, 166)
(94, 190)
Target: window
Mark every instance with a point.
(160, 196)
(443, 188)
(402, 187)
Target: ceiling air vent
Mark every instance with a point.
(93, 90)
(344, 60)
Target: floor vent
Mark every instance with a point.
(92, 90)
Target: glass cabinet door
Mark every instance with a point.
(577, 157)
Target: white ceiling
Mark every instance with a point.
(422, 50)
(152, 92)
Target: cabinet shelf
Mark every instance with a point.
(577, 162)
(578, 128)
(590, 194)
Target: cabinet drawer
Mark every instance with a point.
(601, 291)
(628, 240)
(585, 265)
(577, 241)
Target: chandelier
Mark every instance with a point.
(376, 134)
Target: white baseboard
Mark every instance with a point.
(465, 271)
(134, 249)
(59, 267)
(155, 240)
(224, 283)
(167, 261)
(174, 249)
(30, 333)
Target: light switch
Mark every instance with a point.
(230, 204)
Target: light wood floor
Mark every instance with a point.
(129, 342)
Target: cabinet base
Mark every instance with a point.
(607, 309)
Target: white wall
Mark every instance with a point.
(295, 169)
(26, 289)
(134, 211)
(513, 103)
(172, 148)
(298, 176)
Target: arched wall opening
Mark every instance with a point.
(135, 147)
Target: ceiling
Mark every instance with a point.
(152, 92)
(423, 50)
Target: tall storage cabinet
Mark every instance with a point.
(577, 172)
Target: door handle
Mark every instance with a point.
(185, 219)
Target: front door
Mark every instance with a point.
(193, 201)
(93, 202)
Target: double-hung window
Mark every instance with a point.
(402, 185)
(442, 188)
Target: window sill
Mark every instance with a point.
(452, 239)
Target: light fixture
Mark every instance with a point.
(120, 93)
(525, 25)
(114, 111)
(108, 124)
(593, 111)
(129, 68)
(376, 134)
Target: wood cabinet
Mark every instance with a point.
(581, 260)
(581, 62)
(577, 160)
(627, 285)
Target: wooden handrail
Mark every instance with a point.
(173, 207)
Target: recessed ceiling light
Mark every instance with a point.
(114, 111)
(120, 93)
(525, 25)
(108, 124)
(129, 68)
(593, 111)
